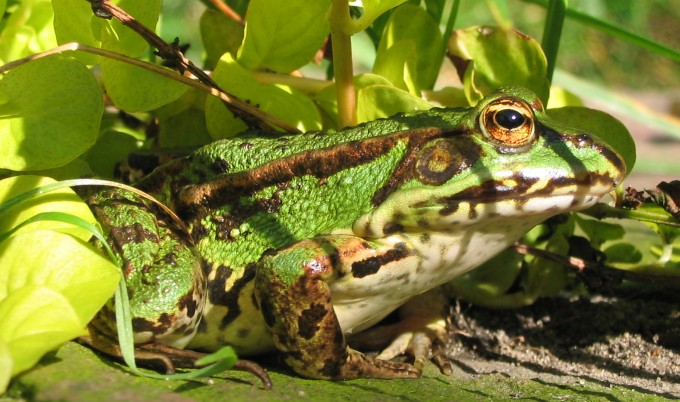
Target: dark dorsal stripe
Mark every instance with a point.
(320, 163)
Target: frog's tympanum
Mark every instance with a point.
(295, 242)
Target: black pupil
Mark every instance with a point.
(509, 119)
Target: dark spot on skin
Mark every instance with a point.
(220, 166)
(229, 299)
(425, 237)
(406, 278)
(371, 265)
(134, 233)
(423, 223)
(445, 158)
(393, 227)
(309, 319)
(243, 332)
(216, 293)
(189, 303)
(169, 259)
(156, 327)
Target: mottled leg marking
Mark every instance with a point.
(296, 303)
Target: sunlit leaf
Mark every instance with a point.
(27, 30)
(220, 34)
(135, 89)
(408, 46)
(51, 110)
(33, 321)
(63, 200)
(378, 101)
(6, 366)
(602, 125)
(487, 58)
(51, 285)
(372, 9)
(283, 36)
(121, 39)
(75, 22)
(280, 101)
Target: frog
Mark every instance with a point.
(293, 243)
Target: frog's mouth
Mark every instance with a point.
(584, 190)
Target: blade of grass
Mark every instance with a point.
(619, 103)
(552, 32)
(616, 31)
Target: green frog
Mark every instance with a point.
(294, 242)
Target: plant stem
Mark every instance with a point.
(342, 64)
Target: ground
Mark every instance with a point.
(629, 341)
(612, 348)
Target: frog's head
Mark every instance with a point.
(508, 160)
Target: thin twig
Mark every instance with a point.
(226, 10)
(584, 266)
(172, 53)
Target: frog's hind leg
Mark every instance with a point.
(294, 295)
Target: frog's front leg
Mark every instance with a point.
(294, 292)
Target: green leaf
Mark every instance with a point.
(51, 109)
(62, 200)
(220, 34)
(326, 99)
(280, 101)
(372, 9)
(601, 125)
(6, 366)
(51, 285)
(135, 89)
(623, 253)
(599, 231)
(75, 22)
(283, 36)
(27, 30)
(487, 58)
(378, 101)
(409, 49)
(120, 39)
(73, 169)
(111, 148)
(182, 123)
(33, 321)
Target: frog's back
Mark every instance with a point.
(244, 196)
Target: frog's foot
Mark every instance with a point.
(422, 333)
(167, 359)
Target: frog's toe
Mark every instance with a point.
(359, 365)
(422, 333)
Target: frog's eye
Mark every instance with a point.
(508, 121)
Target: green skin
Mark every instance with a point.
(301, 240)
